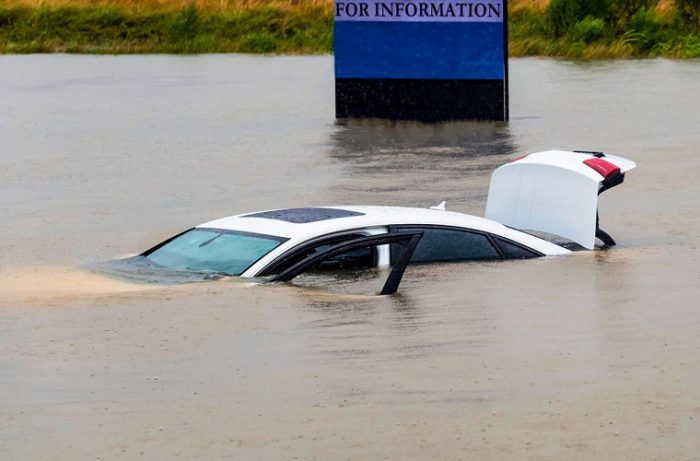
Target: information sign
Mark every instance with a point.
(423, 60)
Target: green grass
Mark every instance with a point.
(114, 30)
(556, 30)
(565, 29)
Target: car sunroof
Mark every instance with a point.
(304, 215)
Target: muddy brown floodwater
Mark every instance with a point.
(593, 356)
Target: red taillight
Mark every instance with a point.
(519, 158)
(603, 168)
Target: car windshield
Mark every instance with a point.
(214, 250)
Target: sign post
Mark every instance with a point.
(427, 60)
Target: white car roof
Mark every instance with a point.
(360, 217)
(366, 216)
(369, 217)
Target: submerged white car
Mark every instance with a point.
(553, 192)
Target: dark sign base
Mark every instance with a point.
(425, 100)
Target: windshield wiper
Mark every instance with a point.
(203, 244)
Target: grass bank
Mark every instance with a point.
(119, 30)
(572, 29)
(600, 29)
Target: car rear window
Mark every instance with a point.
(513, 251)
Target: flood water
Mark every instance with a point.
(592, 356)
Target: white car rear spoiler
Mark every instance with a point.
(555, 192)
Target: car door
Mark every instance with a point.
(404, 242)
(357, 259)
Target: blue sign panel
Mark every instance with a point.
(433, 48)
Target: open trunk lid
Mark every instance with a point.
(555, 192)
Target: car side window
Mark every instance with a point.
(447, 244)
(362, 258)
(513, 251)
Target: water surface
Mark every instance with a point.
(592, 356)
